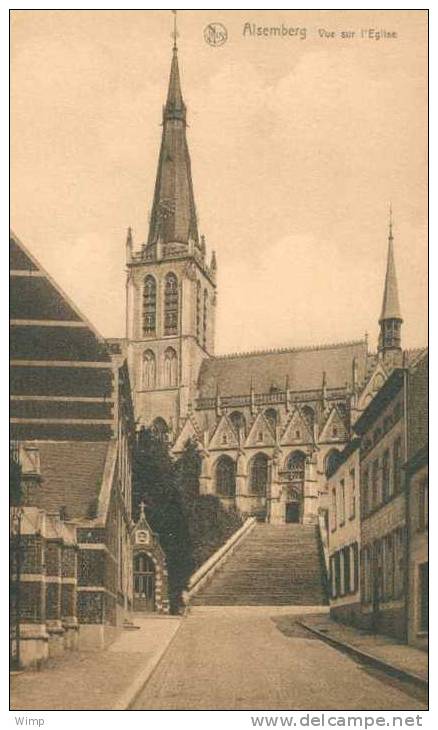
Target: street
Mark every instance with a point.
(241, 659)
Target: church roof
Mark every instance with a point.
(173, 217)
(302, 368)
(391, 303)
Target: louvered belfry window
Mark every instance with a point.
(149, 306)
(171, 305)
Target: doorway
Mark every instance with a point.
(144, 583)
(293, 512)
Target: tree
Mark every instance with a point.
(209, 523)
(190, 526)
(188, 471)
(154, 483)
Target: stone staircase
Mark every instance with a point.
(273, 565)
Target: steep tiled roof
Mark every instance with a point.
(71, 475)
(303, 368)
(61, 368)
(418, 405)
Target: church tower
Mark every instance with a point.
(390, 318)
(171, 289)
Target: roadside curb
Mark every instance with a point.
(368, 658)
(130, 695)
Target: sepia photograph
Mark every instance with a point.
(219, 362)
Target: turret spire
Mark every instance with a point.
(173, 216)
(390, 304)
(390, 318)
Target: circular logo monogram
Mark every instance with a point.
(215, 34)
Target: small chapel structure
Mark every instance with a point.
(149, 568)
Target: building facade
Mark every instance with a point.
(344, 535)
(72, 428)
(417, 485)
(383, 431)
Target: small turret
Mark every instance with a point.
(390, 320)
(218, 401)
(203, 246)
(354, 374)
(129, 246)
(252, 397)
(324, 390)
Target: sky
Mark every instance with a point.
(297, 148)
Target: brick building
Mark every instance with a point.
(417, 485)
(383, 431)
(344, 535)
(72, 423)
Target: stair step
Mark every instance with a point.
(273, 565)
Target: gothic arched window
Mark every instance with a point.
(296, 466)
(331, 462)
(225, 473)
(271, 416)
(149, 370)
(170, 304)
(170, 368)
(258, 474)
(149, 305)
(238, 420)
(160, 429)
(198, 311)
(205, 321)
(309, 416)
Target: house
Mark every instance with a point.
(417, 487)
(72, 429)
(344, 535)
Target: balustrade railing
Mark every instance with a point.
(231, 401)
(265, 399)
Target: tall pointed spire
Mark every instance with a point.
(390, 318)
(390, 304)
(175, 107)
(173, 217)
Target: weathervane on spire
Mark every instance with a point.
(174, 33)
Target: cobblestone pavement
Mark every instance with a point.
(93, 680)
(238, 659)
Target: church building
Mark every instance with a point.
(270, 425)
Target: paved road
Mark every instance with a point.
(242, 659)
